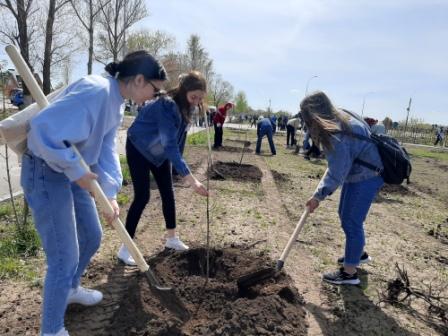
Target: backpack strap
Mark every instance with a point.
(359, 161)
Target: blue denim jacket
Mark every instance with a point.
(157, 132)
(341, 166)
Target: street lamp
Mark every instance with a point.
(364, 102)
(308, 83)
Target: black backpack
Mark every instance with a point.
(395, 158)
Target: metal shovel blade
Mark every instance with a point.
(167, 297)
(256, 277)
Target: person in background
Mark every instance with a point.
(291, 127)
(439, 136)
(273, 119)
(331, 128)
(153, 146)
(264, 128)
(218, 123)
(378, 128)
(57, 188)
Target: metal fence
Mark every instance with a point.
(416, 135)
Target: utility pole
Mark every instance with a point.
(364, 102)
(407, 117)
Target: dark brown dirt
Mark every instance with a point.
(217, 306)
(235, 171)
(234, 149)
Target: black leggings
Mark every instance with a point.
(139, 167)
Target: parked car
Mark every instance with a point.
(12, 93)
(17, 98)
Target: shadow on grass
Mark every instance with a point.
(352, 313)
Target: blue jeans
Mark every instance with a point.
(354, 205)
(268, 133)
(69, 228)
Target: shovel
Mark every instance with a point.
(166, 295)
(253, 278)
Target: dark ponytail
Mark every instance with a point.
(112, 68)
(137, 63)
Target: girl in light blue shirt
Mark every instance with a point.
(87, 115)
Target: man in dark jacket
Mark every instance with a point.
(264, 128)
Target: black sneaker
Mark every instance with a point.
(365, 258)
(339, 277)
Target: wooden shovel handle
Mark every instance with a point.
(294, 235)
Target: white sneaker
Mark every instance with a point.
(62, 332)
(176, 244)
(84, 296)
(125, 256)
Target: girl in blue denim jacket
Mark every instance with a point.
(153, 146)
(331, 128)
(87, 115)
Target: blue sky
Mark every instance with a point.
(377, 52)
(380, 52)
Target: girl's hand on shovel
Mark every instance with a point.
(85, 181)
(312, 204)
(110, 217)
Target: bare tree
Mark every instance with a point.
(117, 17)
(220, 91)
(157, 43)
(196, 57)
(18, 30)
(54, 6)
(88, 12)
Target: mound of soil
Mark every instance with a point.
(235, 171)
(216, 306)
(234, 149)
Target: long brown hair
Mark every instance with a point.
(192, 81)
(322, 119)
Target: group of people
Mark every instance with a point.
(57, 188)
(87, 115)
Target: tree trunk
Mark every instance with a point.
(46, 70)
(91, 23)
(22, 26)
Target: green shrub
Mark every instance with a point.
(199, 138)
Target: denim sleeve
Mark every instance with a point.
(108, 167)
(166, 123)
(339, 165)
(64, 121)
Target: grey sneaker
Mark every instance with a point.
(365, 258)
(339, 277)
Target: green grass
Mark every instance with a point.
(122, 199)
(5, 210)
(125, 169)
(17, 249)
(199, 138)
(428, 153)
